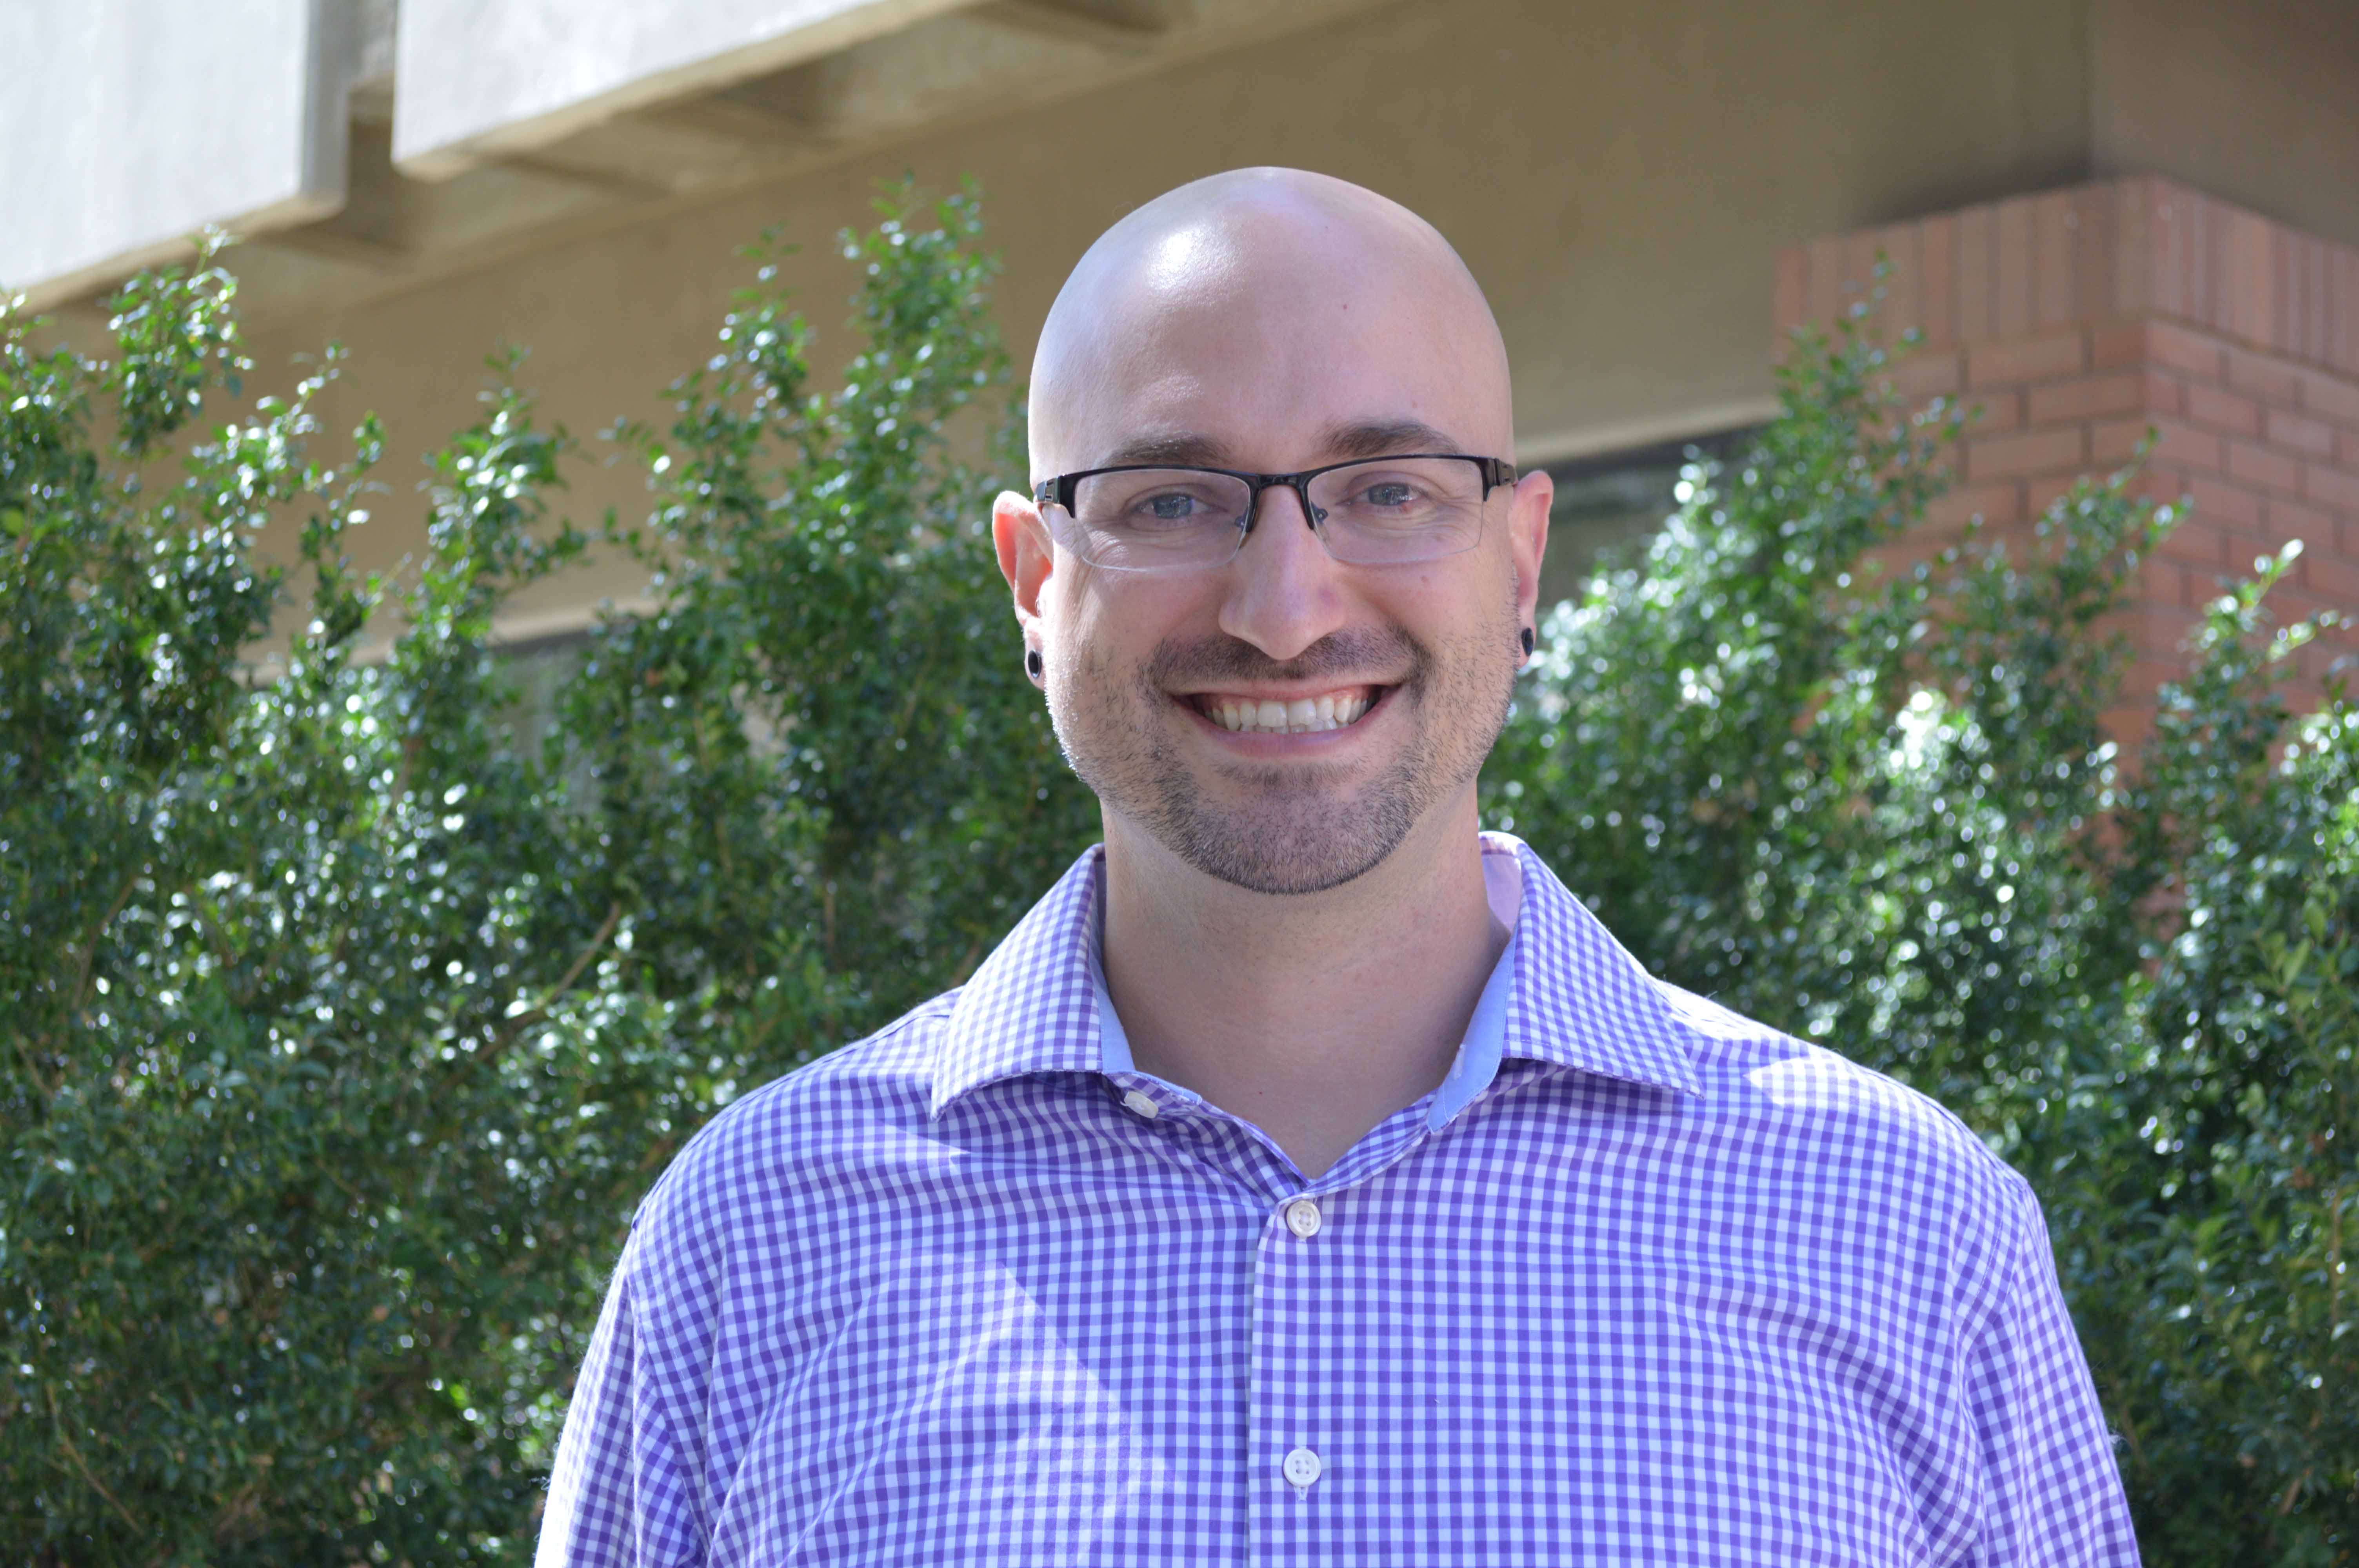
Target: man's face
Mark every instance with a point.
(1285, 721)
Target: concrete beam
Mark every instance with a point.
(130, 127)
(482, 79)
(1124, 27)
(1127, 15)
(397, 230)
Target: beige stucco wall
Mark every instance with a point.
(2258, 104)
(1617, 172)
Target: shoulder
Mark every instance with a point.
(1765, 1105)
(1841, 1174)
(1802, 1102)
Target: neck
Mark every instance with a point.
(1313, 1016)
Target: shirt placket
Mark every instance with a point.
(1291, 1456)
(1311, 1346)
(1307, 1471)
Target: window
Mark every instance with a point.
(1616, 499)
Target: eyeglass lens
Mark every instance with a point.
(1387, 510)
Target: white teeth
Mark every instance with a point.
(1302, 717)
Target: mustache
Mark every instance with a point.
(1219, 658)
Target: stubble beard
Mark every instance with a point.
(1293, 828)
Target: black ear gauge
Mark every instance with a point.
(1032, 664)
(1527, 635)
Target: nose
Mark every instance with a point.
(1284, 592)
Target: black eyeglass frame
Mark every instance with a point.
(1058, 491)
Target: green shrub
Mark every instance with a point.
(348, 1021)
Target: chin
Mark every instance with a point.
(1295, 838)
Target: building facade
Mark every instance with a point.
(2104, 215)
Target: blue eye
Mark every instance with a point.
(1170, 508)
(1391, 494)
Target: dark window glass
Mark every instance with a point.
(1616, 499)
(538, 668)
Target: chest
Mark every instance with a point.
(1427, 1366)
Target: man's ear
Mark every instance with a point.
(1026, 556)
(1527, 525)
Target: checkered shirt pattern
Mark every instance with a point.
(1671, 1288)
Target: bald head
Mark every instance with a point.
(1256, 292)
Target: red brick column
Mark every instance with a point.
(2080, 319)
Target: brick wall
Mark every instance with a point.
(2078, 320)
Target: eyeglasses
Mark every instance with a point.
(1369, 511)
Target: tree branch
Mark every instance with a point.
(58, 1423)
(90, 947)
(539, 1012)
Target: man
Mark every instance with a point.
(1309, 1178)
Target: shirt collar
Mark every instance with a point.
(1582, 1000)
(1576, 999)
(1030, 1007)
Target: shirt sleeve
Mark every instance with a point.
(2054, 1492)
(617, 1496)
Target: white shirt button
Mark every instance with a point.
(1303, 1219)
(1140, 1105)
(1302, 1467)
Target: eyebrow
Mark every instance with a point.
(1180, 447)
(1381, 438)
(1344, 442)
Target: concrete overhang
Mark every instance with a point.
(127, 126)
(483, 78)
(372, 145)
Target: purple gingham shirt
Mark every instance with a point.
(1643, 1282)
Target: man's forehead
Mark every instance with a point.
(1373, 436)
(1284, 388)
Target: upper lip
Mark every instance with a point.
(1282, 691)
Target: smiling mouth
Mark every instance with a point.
(1245, 715)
